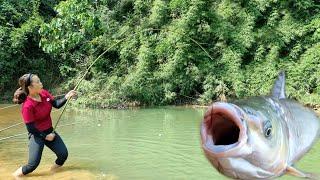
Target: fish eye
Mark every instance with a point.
(267, 128)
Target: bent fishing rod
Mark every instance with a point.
(88, 69)
(77, 85)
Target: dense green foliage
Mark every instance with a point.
(171, 51)
(19, 44)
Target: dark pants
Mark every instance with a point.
(36, 145)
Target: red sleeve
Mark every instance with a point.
(48, 94)
(27, 114)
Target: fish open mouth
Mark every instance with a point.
(223, 129)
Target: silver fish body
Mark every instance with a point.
(258, 137)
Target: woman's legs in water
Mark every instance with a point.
(60, 149)
(36, 145)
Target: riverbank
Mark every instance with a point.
(68, 172)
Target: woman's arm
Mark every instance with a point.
(59, 102)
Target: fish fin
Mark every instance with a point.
(223, 98)
(295, 172)
(278, 91)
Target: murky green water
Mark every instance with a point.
(153, 143)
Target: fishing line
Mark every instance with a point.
(87, 71)
(77, 85)
(17, 124)
(19, 104)
(9, 106)
(20, 134)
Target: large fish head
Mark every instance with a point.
(246, 142)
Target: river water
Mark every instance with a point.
(144, 143)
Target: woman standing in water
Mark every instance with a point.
(36, 109)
